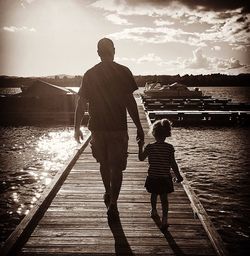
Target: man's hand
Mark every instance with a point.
(140, 135)
(78, 135)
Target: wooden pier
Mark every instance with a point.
(198, 112)
(202, 117)
(71, 219)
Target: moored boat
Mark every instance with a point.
(175, 90)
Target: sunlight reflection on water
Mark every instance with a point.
(30, 157)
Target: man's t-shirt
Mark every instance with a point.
(104, 86)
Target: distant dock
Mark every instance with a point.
(203, 111)
(70, 217)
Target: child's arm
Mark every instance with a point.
(141, 153)
(175, 169)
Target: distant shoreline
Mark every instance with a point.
(213, 80)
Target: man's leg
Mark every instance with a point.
(99, 151)
(105, 173)
(116, 182)
(117, 157)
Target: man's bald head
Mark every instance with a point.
(105, 48)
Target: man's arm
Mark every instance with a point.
(81, 106)
(133, 112)
(142, 154)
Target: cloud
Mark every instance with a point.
(161, 22)
(240, 48)
(198, 60)
(228, 64)
(216, 48)
(158, 35)
(29, 1)
(234, 35)
(25, 2)
(152, 5)
(231, 33)
(213, 5)
(150, 57)
(116, 19)
(216, 5)
(14, 29)
(224, 24)
(201, 61)
(234, 63)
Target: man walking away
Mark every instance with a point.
(108, 89)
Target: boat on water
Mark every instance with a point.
(40, 103)
(175, 90)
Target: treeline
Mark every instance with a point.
(64, 81)
(189, 80)
(197, 80)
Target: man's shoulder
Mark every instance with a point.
(102, 65)
(93, 69)
(122, 67)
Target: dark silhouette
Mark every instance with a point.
(161, 160)
(108, 89)
(122, 246)
(174, 246)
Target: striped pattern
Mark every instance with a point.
(159, 158)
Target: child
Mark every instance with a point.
(161, 159)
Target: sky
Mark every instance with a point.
(162, 37)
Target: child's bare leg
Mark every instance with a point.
(153, 201)
(164, 204)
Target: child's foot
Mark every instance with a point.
(153, 213)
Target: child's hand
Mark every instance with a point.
(178, 179)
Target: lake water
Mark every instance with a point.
(29, 158)
(215, 161)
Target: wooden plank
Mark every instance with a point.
(107, 250)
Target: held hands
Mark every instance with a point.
(140, 143)
(78, 135)
(140, 136)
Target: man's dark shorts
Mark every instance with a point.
(110, 147)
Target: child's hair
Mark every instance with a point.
(161, 128)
